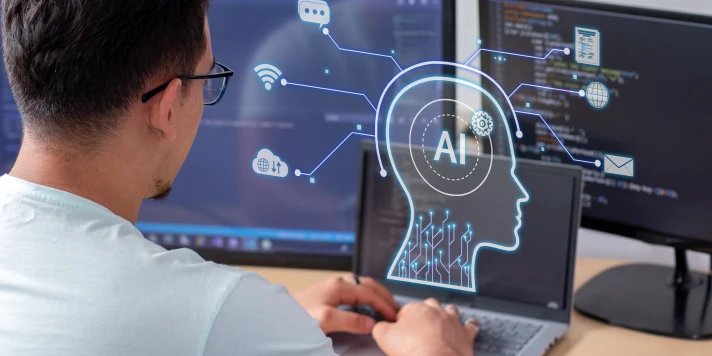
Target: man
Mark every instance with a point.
(111, 94)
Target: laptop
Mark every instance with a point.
(523, 299)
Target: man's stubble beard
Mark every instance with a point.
(163, 190)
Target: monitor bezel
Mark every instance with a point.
(627, 230)
(473, 300)
(334, 262)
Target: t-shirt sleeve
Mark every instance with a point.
(262, 319)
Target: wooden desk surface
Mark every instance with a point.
(586, 338)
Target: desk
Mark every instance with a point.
(586, 338)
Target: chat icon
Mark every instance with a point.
(315, 11)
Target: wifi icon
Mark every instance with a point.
(268, 73)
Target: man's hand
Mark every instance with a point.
(321, 300)
(427, 329)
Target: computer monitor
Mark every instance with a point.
(621, 92)
(219, 205)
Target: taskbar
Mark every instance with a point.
(242, 244)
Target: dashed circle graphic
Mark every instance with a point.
(426, 156)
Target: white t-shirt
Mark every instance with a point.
(76, 279)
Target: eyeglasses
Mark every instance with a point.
(213, 90)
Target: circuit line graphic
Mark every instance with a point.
(597, 163)
(299, 173)
(580, 93)
(519, 133)
(326, 32)
(426, 241)
(565, 51)
(286, 83)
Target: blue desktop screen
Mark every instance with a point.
(218, 201)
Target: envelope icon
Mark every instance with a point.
(619, 165)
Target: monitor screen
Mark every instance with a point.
(640, 128)
(548, 233)
(219, 201)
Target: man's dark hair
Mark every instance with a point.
(76, 66)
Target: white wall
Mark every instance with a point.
(593, 243)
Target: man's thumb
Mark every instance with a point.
(380, 334)
(380, 330)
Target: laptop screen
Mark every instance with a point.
(537, 274)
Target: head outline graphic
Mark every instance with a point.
(411, 205)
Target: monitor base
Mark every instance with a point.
(653, 299)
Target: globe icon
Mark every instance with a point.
(263, 165)
(597, 95)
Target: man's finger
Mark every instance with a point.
(380, 289)
(351, 294)
(432, 302)
(453, 311)
(339, 320)
(472, 326)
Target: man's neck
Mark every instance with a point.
(97, 177)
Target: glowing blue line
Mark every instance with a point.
(418, 272)
(332, 90)
(547, 88)
(557, 138)
(513, 54)
(420, 253)
(458, 257)
(416, 241)
(366, 53)
(442, 238)
(334, 151)
(426, 228)
(442, 227)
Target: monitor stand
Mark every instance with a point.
(652, 299)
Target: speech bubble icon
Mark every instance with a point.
(315, 11)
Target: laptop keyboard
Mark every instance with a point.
(498, 336)
(501, 336)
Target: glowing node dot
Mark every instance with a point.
(520, 134)
(582, 93)
(268, 86)
(297, 173)
(598, 163)
(384, 173)
(567, 51)
(284, 82)
(325, 31)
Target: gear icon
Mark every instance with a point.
(482, 123)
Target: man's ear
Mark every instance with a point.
(161, 115)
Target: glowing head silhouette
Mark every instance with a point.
(462, 201)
